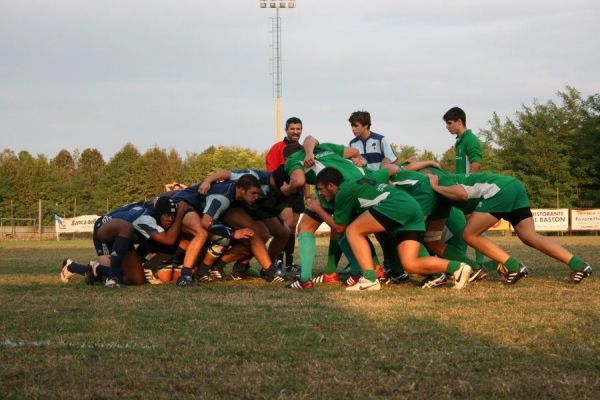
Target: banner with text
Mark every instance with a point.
(551, 219)
(585, 220)
(81, 224)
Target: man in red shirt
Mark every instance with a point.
(290, 215)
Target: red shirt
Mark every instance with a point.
(275, 155)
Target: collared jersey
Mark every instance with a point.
(468, 151)
(274, 157)
(374, 149)
(326, 155)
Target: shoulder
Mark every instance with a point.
(376, 136)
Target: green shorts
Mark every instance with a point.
(511, 197)
(404, 210)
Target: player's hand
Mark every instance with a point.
(309, 160)
(245, 233)
(204, 187)
(182, 207)
(433, 180)
(358, 161)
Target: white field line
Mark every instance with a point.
(8, 343)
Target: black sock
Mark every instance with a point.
(77, 268)
(289, 250)
(102, 271)
(120, 247)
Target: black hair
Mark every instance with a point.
(361, 117)
(291, 148)
(292, 120)
(454, 114)
(247, 181)
(329, 175)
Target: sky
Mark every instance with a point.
(182, 74)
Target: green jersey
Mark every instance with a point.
(468, 151)
(326, 155)
(355, 197)
(417, 185)
(480, 188)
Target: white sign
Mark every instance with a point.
(551, 219)
(83, 223)
(585, 220)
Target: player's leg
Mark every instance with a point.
(357, 232)
(238, 218)
(192, 226)
(525, 229)
(280, 233)
(118, 233)
(308, 225)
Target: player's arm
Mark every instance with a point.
(453, 192)
(170, 236)
(309, 144)
(389, 157)
(417, 165)
(475, 154)
(354, 155)
(315, 206)
(297, 182)
(391, 168)
(212, 178)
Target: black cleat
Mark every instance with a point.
(478, 274)
(185, 280)
(273, 274)
(396, 280)
(581, 274)
(513, 277)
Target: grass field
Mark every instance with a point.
(538, 339)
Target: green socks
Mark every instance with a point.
(576, 263)
(333, 256)
(370, 274)
(452, 253)
(453, 266)
(512, 264)
(345, 246)
(307, 249)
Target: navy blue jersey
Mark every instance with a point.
(218, 199)
(263, 177)
(132, 211)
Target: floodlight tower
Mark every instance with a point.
(276, 70)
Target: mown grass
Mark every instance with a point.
(538, 339)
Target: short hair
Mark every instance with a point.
(292, 120)
(247, 181)
(291, 148)
(329, 175)
(361, 117)
(454, 114)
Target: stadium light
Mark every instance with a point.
(276, 59)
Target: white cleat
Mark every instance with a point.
(65, 274)
(364, 284)
(462, 275)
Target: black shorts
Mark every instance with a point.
(392, 227)
(315, 216)
(296, 202)
(102, 249)
(514, 216)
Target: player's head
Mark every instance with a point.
(456, 120)
(293, 129)
(360, 121)
(291, 148)
(164, 211)
(247, 189)
(327, 183)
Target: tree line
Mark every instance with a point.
(554, 148)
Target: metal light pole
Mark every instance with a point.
(276, 70)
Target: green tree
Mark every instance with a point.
(120, 183)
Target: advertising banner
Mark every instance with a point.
(80, 224)
(551, 219)
(585, 220)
